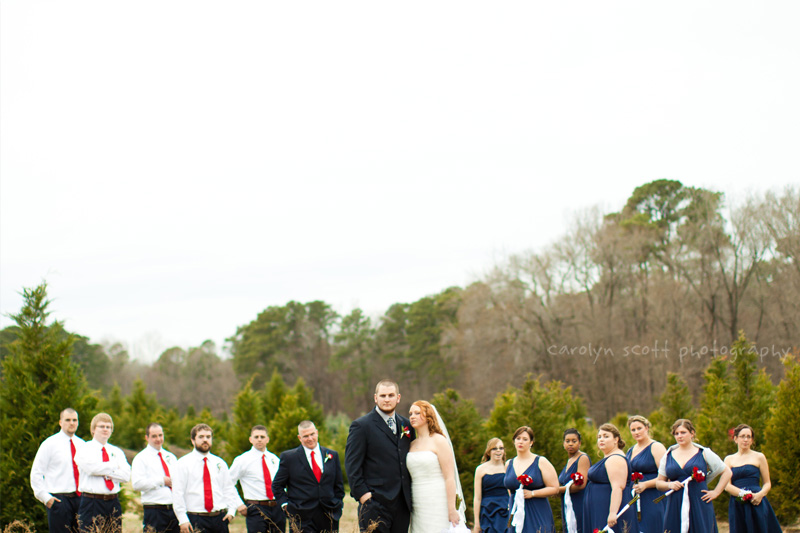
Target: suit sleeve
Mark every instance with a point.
(281, 480)
(338, 484)
(354, 454)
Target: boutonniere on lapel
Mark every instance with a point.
(328, 457)
(406, 432)
(219, 467)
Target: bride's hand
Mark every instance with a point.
(454, 518)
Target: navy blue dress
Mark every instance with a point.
(577, 497)
(494, 504)
(538, 515)
(597, 500)
(746, 517)
(652, 518)
(701, 514)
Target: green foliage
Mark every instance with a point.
(283, 426)
(305, 398)
(247, 412)
(549, 409)
(139, 410)
(273, 394)
(355, 355)
(676, 402)
(39, 380)
(464, 424)
(336, 429)
(782, 447)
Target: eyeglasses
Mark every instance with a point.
(498, 449)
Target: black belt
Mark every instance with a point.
(212, 513)
(268, 503)
(66, 494)
(157, 506)
(99, 496)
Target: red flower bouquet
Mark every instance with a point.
(524, 479)
(577, 479)
(636, 477)
(698, 475)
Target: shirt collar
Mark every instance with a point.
(385, 416)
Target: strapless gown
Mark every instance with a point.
(494, 504)
(428, 494)
(746, 517)
(577, 497)
(652, 520)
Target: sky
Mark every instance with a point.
(173, 168)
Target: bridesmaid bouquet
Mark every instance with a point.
(524, 480)
(745, 496)
(697, 475)
(636, 477)
(620, 513)
(577, 479)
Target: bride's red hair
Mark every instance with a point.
(429, 413)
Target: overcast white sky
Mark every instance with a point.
(173, 168)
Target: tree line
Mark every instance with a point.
(40, 377)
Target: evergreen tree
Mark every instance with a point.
(752, 391)
(283, 426)
(39, 380)
(714, 418)
(782, 446)
(247, 412)
(272, 396)
(305, 398)
(468, 434)
(138, 411)
(676, 402)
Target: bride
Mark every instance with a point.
(434, 477)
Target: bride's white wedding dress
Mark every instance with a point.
(428, 494)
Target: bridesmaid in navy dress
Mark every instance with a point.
(491, 497)
(747, 466)
(577, 462)
(679, 463)
(644, 457)
(609, 483)
(538, 515)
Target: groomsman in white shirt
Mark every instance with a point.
(204, 497)
(150, 474)
(254, 470)
(54, 475)
(103, 468)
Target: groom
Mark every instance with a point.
(375, 462)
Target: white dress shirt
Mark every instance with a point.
(147, 475)
(51, 472)
(94, 470)
(247, 470)
(187, 486)
(317, 457)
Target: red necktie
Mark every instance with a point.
(315, 468)
(164, 466)
(267, 477)
(74, 466)
(109, 483)
(209, 496)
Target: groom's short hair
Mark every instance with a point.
(387, 383)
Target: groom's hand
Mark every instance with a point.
(366, 496)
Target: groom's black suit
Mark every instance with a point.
(375, 461)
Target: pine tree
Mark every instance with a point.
(139, 409)
(283, 426)
(39, 380)
(782, 446)
(247, 412)
(676, 402)
(272, 396)
(752, 392)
